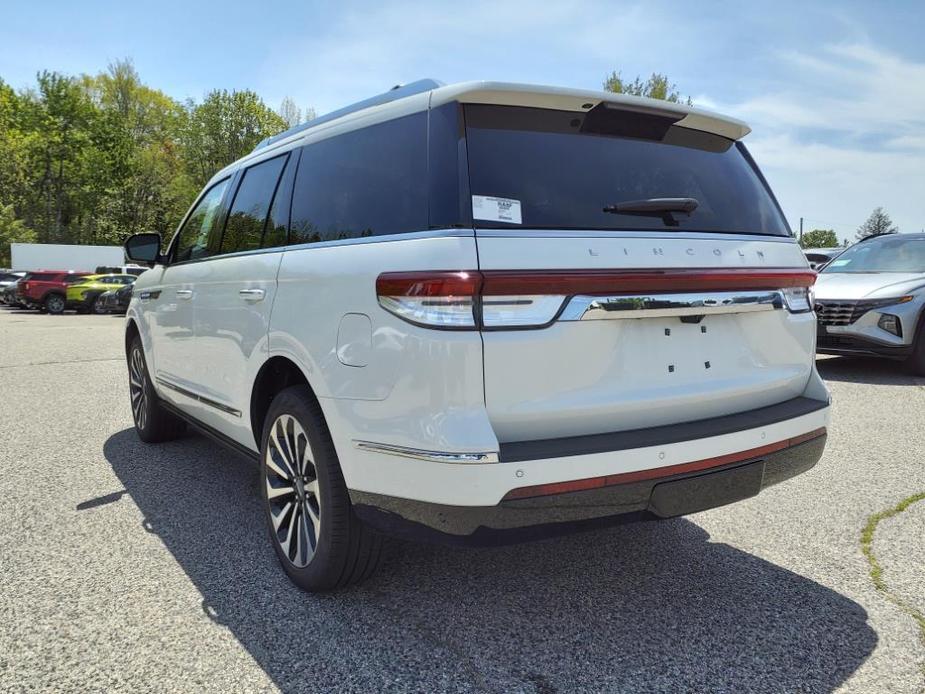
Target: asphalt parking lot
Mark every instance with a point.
(131, 567)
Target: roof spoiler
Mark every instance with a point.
(399, 91)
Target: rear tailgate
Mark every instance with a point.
(580, 347)
(586, 373)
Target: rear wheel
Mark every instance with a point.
(152, 421)
(318, 539)
(54, 303)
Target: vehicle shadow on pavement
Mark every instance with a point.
(882, 372)
(639, 607)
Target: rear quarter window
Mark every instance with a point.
(564, 168)
(248, 215)
(366, 182)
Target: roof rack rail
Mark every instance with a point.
(399, 91)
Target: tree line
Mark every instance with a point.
(94, 158)
(877, 224)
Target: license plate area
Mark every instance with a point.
(680, 349)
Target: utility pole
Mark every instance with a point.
(801, 230)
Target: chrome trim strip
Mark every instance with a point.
(384, 238)
(200, 398)
(667, 305)
(431, 456)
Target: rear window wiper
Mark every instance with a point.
(655, 207)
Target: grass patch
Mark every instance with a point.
(876, 571)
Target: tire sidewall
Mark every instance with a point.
(50, 303)
(143, 433)
(294, 402)
(916, 362)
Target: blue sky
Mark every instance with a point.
(834, 91)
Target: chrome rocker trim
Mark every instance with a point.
(667, 305)
(194, 396)
(431, 456)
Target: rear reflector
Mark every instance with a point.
(659, 472)
(570, 282)
(532, 298)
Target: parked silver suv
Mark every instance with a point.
(455, 312)
(870, 300)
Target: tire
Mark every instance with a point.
(54, 303)
(327, 546)
(97, 306)
(916, 362)
(153, 423)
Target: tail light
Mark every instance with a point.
(432, 299)
(499, 299)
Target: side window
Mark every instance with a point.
(366, 182)
(248, 214)
(278, 222)
(194, 236)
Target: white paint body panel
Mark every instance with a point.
(465, 391)
(231, 335)
(591, 377)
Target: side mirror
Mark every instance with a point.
(144, 248)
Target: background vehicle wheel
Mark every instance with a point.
(54, 303)
(152, 422)
(97, 307)
(916, 362)
(318, 539)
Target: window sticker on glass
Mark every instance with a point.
(496, 209)
(839, 263)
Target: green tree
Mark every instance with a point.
(656, 87)
(225, 127)
(155, 188)
(12, 230)
(877, 224)
(819, 238)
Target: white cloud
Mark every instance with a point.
(365, 52)
(843, 136)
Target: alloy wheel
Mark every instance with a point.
(292, 490)
(55, 304)
(137, 376)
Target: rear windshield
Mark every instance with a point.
(560, 169)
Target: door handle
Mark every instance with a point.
(185, 294)
(252, 294)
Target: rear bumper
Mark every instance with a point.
(659, 472)
(516, 519)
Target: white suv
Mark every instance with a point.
(462, 311)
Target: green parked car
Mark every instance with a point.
(83, 295)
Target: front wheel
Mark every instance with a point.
(153, 422)
(318, 539)
(54, 303)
